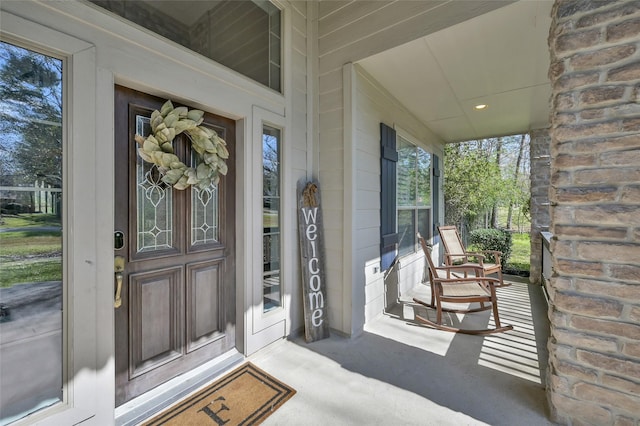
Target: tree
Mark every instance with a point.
(473, 182)
(31, 115)
(483, 175)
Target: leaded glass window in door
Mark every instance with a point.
(154, 201)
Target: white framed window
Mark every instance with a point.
(413, 194)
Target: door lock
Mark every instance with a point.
(119, 269)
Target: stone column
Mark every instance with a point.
(540, 171)
(594, 349)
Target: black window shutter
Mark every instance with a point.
(388, 160)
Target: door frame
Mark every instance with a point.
(261, 328)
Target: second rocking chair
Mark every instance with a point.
(447, 287)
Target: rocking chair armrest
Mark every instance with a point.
(464, 280)
(496, 254)
(477, 254)
(450, 256)
(459, 268)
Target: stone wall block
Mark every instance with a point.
(606, 327)
(602, 94)
(625, 30)
(593, 269)
(577, 40)
(627, 72)
(591, 413)
(635, 314)
(593, 114)
(564, 134)
(608, 14)
(598, 58)
(631, 125)
(562, 249)
(575, 161)
(565, 118)
(585, 341)
(583, 194)
(624, 421)
(561, 178)
(591, 306)
(576, 80)
(564, 102)
(628, 292)
(625, 273)
(606, 233)
(622, 253)
(623, 384)
(607, 397)
(631, 194)
(632, 349)
(607, 176)
(621, 158)
(607, 215)
(609, 363)
(607, 144)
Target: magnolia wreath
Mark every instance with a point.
(157, 148)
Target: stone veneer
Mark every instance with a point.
(594, 374)
(539, 176)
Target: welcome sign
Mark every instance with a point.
(314, 292)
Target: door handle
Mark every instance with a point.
(119, 269)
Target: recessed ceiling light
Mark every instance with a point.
(480, 106)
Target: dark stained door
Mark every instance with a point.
(178, 283)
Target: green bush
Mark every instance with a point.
(492, 239)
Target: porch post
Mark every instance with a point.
(594, 359)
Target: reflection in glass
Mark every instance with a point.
(31, 284)
(155, 202)
(242, 35)
(204, 211)
(413, 196)
(271, 203)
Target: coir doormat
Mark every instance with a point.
(246, 396)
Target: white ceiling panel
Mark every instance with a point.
(500, 58)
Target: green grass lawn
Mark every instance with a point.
(29, 254)
(520, 260)
(30, 272)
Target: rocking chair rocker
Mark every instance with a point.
(449, 288)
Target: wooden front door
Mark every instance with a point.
(177, 248)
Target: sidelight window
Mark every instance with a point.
(31, 246)
(271, 217)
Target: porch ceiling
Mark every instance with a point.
(500, 59)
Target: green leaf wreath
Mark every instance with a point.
(157, 148)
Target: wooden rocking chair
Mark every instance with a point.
(446, 287)
(456, 254)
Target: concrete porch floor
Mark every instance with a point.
(400, 373)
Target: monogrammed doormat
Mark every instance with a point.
(246, 396)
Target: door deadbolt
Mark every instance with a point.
(118, 240)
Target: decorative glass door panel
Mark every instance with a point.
(154, 199)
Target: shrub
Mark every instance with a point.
(492, 239)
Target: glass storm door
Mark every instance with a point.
(174, 258)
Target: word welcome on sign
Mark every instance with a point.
(314, 292)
